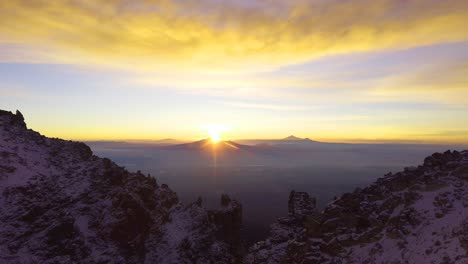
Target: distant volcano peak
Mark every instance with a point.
(223, 145)
(292, 137)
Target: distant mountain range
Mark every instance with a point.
(180, 144)
(288, 151)
(208, 145)
(287, 140)
(241, 145)
(161, 142)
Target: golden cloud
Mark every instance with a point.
(212, 34)
(442, 82)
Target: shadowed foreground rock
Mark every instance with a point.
(61, 204)
(419, 215)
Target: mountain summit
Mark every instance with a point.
(209, 145)
(292, 137)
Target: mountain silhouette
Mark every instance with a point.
(209, 145)
(292, 137)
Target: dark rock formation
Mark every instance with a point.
(61, 204)
(415, 216)
(13, 119)
(301, 205)
(229, 219)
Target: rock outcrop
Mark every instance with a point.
(229, 218)
(61, 204)
(419, 215)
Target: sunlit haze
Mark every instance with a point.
(352, 71)
(234, 131)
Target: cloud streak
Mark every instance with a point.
(262, 106)
(201, 35)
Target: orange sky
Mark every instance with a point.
(329, 70)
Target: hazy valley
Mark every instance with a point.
(261, 173)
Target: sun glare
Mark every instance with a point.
(215, 132)
(215, 135)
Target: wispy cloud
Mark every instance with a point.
(13, 91)
(443, 82)
(448, 133)
(277, 107)
(211, 35)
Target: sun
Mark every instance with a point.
(215, 134)
(215, 131)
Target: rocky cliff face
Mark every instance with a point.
(61, 204)
(419, 215)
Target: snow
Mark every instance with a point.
(58, 206)
(178, 228)
(425, 227)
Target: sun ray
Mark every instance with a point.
(232, 146)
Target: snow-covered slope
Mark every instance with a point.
(419, 215)
(61, 204)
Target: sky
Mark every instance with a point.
(330, 70)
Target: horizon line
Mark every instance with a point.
(331, 141)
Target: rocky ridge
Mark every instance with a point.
(59, 203)
(419, 215)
